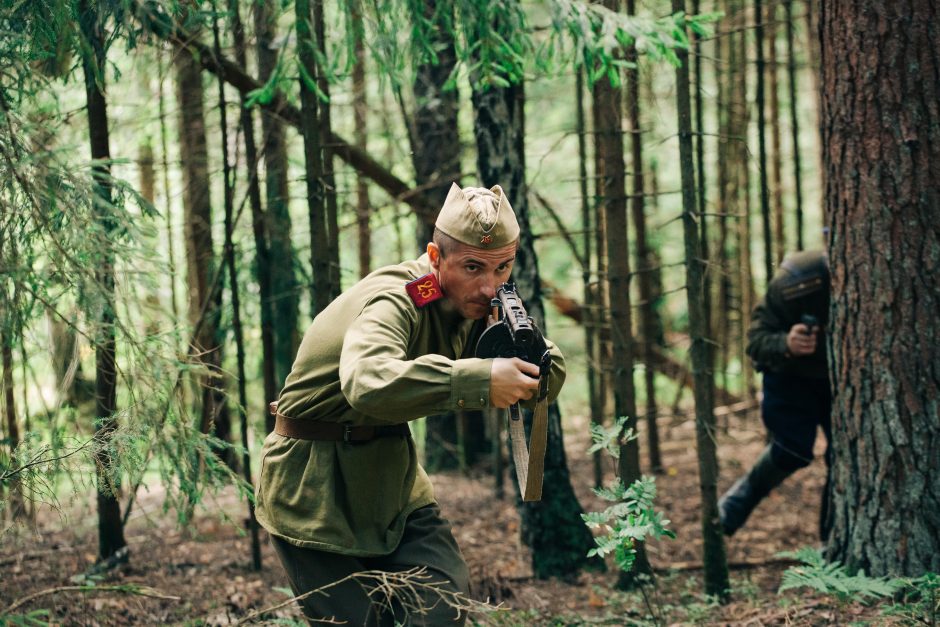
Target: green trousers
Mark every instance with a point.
(427, 542)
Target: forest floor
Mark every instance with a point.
(205, 567)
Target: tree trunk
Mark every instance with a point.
(204, 290)
(881, 63)
(229, 254)
(110, 529)
(590, 308)
(552, 527)
(746, 278)
(311, 127)
(611, 193)
(714, 559)
(759, 103)
(643, 265)
(360, 137)
(725, 206)
(285, 289)
(326, 146)
(776, 168)
(795, 124)
(259, 230)
(12, 438)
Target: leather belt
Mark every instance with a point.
(334, 431)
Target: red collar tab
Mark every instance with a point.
(424, 290)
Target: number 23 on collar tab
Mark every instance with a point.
(424, 290)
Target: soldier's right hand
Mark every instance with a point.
(512, 380)
(801, 340)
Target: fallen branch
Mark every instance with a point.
(383, 587)
(142, 591)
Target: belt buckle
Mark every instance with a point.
(347, 433)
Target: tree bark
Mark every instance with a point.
(776, 167)
(259, 230)
(360, 139)
(203, 295)
(611, 193)
(552, 527)
(110, 528)
(643, 265)
(229, 255)
(759, 103)
(311, 127)
(715, 560)
(881, 66)
(795, 125)
(285, 289)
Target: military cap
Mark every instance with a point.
(478, 217)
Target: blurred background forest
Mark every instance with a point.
(185, 185)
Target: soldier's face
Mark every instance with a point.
(470, 276)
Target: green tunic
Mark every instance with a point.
(372, 357)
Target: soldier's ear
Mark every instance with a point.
(434, 255)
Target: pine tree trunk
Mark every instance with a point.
(285, 289)
(795, 125)
(12, 437)
(715, 560)
(643, 266)
(229, 255)
(360, 138)
(311, 127)
(590, 307)
(725, 205)
(259, 230)
(881, 65)
(326, 145)
(611, 193)
(552, 527)
(760, 104)
(746, 278)
(110, 528)
(776, 159)
(204, 288)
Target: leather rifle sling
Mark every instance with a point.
(529, 460)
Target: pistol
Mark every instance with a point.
(810, 321)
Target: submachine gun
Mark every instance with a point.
(515, 334)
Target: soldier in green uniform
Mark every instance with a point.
(341, 490)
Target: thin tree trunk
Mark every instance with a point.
(12, 438)
(165, 167)
(881, 66)
(724, 47)
(714, 559)
(590, 328)
(326, 132)
(794, 125)
(360, 137)
(229, 254)
(552, 527)
(110, 529)
(700, 178)
(643, 266)
(746, 280)
(321, 293)
(203, 297)
(285, 289)
(259, 230)
(776, 168)
(762, 141)
(611, 190)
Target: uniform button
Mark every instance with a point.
(482, 402)
(460, 403)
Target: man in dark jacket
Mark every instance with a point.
(786, 342)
